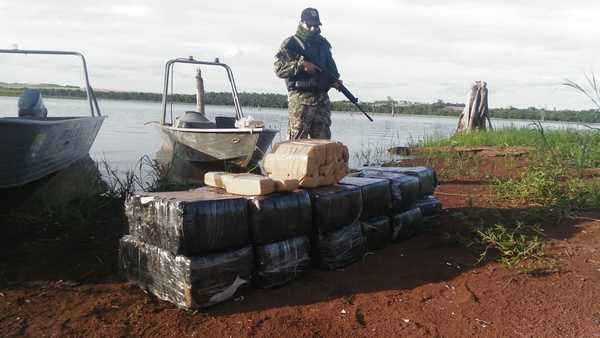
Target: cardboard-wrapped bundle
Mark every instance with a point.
(429, 206)
(189, 282)
(376, 196)
(312, 162)
(248, 184)
(189, 222)
(427, 177)
(215, 178)
(281, 262)
(404, 188)
(405, 224)
(340, 248)
(335, 206)
(377, 232)
(279, 216)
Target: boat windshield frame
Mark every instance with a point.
(169, 66)
(91, 97)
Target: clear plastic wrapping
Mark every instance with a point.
(280, 216)
(189, 222)
(405, 224)
(376, 196)
(429, 206)
(189, 282)
(335, 206)
(281, 262)
(377, 232)
(340, 248)
(404, 188)
(427, 177)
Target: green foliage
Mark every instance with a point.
(572, 148)
(512, 245)
(536, 186)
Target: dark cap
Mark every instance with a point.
(310, 16)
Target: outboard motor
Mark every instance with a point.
(31, 104)
(193, 119)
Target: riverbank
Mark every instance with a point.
(514, 252)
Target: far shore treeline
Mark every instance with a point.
(266, 100)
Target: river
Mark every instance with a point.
(124, 137)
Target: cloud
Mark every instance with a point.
(419, 51)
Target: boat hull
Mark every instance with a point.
(34, 148)
(239, 147)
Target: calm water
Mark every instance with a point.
(124, 138)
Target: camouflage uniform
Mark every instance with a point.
(309, 110)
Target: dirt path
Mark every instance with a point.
(425, 287)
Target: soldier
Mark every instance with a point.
(298, 62)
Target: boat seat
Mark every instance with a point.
(193, 119)
(31, 104)
(225, 122)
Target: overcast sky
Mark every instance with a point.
(418, 50)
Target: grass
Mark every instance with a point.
(548, 183)
(512, 245)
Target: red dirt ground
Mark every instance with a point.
(424, 287)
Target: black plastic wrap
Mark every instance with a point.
(404, 188)
(340, 248)
(405, 224)
(429, 206)
(280, 216)
(335, 206)
(376, 196)
(427, 177)
(281, 262)
(189, 222)
(189, 282)
(377, 232)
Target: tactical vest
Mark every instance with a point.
(315, 51)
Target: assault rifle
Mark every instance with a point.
(331, 79)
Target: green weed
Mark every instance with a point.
(536, 186)
(511, 245)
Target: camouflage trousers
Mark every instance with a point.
(309, 115)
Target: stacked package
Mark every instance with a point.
(189, 247)
(280, 225)
(337, 237)
(411, 190)
(248, 184)
(377, 203)
(313, 163)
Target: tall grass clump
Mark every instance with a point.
(511, 245)
(536, 186)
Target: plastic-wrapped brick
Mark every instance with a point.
(404, 188)
(377, 232)
(281, 262)
(189, 222)
(376, 196)
(280, 216)
(429, 206)
(335, 206)
(427, 177)
(405, 224)
(340, 248)
(189, 282)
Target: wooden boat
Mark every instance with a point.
(34, 145)
(196, 139)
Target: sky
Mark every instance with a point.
(408, 50)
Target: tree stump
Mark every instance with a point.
(476, 112)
